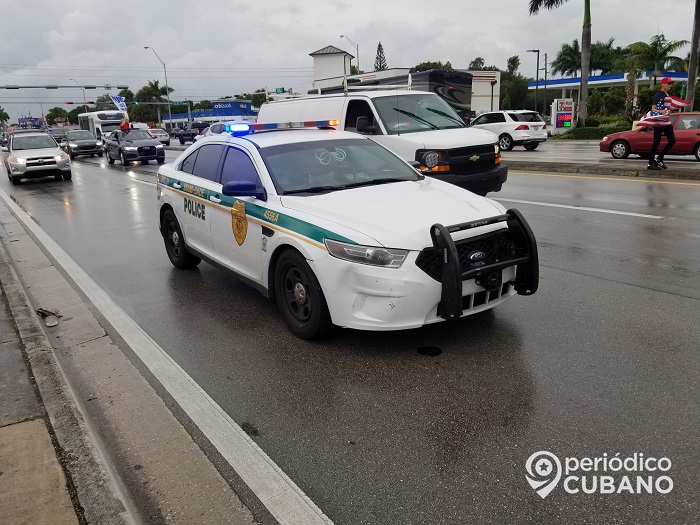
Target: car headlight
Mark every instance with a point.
(61, 156)
(372, 255)
(98, 143)
(605, 138)
(440, 159)
(17, 160)
(159, 146)
(129, 148)
(72, 144)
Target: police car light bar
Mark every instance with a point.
(244, 128)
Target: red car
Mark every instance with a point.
(686, 128)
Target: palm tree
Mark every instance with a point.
(4, 117)
(693, 60)
(656, 55)
(568, 59)
(607, 58)
(535, 6)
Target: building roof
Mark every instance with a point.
(330, 50)
(619, 79)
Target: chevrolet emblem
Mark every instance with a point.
(474, 158)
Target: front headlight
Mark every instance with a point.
(605, 138)
(372, 255)
(17, 160)
(159, 146)
(72, 144)
(441, 163)
(61, 156)
(129, 148)
(98, 143)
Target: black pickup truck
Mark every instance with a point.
(191, 130)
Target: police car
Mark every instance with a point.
(340, 231)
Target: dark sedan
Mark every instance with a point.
(81, 142)
(134, 145)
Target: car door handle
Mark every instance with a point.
(176, 186)
(214, 199)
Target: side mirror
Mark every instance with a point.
(243, 188)
(363, 126)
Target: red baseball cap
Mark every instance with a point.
(666, 80)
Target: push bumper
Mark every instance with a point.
(481, 182)
(488, 276)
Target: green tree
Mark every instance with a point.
(535, 6)
(568, 59)
(614, 101)
(54, 113)
(655, 55)
(4, 117)
(477, 64)
(433, 65)
(151, 92)
(380, 60)
(608, 58)
(258, 98)
(202, 105)
(104, 102)
(513, 64)
(595, 102)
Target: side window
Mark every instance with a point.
(480, 120)
(206, 165)
(498, 117)
(687, 122)
(358, 108)
(238, 166)
(188, 164)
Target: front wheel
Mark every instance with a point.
(100, 153)
(161, 161)
(175, 247)
(299, 297)
(110, 160)
(67, 175)
(182, 141)
(71, 155)
(122, 156)
(505, 142)
(532, 146)
(619, 149)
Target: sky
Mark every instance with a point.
(215, 48)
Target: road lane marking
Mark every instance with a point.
(280, 495)
(582, 208)
(616, 179)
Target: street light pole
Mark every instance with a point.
(357, 50)
(84, 99)
(537, 76)
(42, 110)
(167, 89)
(545, 84)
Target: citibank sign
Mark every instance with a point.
(222, 105)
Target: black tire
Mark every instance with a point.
(167, 143)
(15, 180)
(182, 141)
(696, 151)
(110, 160)
(71, 155)
(299, 297)
(144, 161)
(175, 246)
(620, 149)
(505, 141)
(532, 146)
(101, 153)
(67, 175)
(122, 157)
(161, 161)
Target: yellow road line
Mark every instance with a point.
(618, 179)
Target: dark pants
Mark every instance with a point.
(658, 131)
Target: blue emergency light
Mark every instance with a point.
(242, 128)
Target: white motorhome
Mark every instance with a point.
(411, 124)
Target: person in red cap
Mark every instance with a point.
(658, 107)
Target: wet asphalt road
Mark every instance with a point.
(603, 359)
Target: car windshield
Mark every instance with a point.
(33, 142)
(329, 165)
(135, 134)
(57, 133)
(526, 117)
(414, 113)
(80, 135)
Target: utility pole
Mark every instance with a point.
(545, 85)
(537, 76)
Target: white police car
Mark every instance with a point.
(341, 231)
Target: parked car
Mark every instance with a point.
(58, 134)
(134, 145)
(638, 141)
(174, 132)
(81, 142)
(518, 127)
(33, 155)
(191, 130)
(160, 135)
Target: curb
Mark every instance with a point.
(96, 497)
(597, 169)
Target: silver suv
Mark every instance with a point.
(33, 155)
(514, 127)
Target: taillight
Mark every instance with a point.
(544, 127)
(522, 127)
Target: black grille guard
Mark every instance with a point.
(527, 275)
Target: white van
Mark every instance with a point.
(410, 123)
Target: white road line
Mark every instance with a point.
(582, 208)
(285, 501)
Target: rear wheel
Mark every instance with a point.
(505, 142)
(619, 149)
(299, 296)
(696, 151)
(175, 243)
(531, 146)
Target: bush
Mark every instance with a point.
(597, 133)
(592, 122)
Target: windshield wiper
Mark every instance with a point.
(373, 182)
(419, 119)
(313, 189)
(446, 115)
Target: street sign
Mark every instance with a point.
(179, 103)
(279, 91)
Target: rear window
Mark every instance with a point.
(199, 125)
(526, 117)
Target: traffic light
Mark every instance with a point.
(90, 102)
(69, 102)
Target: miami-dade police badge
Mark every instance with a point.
(239, 223)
